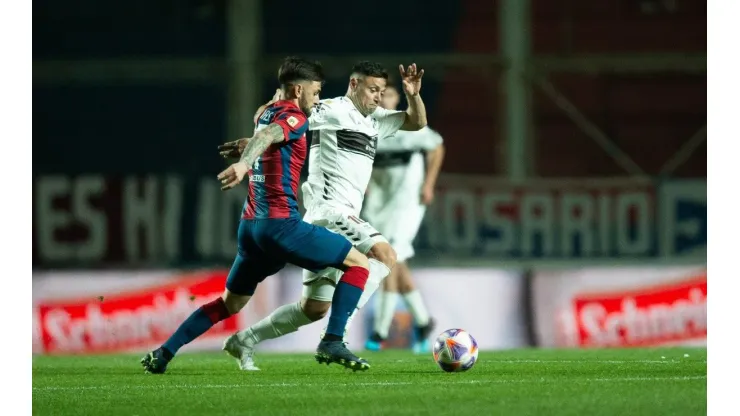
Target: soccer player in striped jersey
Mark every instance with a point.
(345, 134)
(271, 232)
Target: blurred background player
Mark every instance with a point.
(405, 172)
(271, 232)
(345, 135)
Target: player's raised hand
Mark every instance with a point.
(232, 149)
(411, 78)
(233, 175)
(277, 96)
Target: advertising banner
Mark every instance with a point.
(87, 313)
(106, 312)
(88, 221)
(620, 307)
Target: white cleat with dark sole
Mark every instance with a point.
(241, 351)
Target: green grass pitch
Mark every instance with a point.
(522, 382)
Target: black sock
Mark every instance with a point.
(331, 337)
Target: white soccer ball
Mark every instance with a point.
(455, 350)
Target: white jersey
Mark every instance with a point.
(425, 139)
(343, 149)
(393, 204)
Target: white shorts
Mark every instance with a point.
(362, 235)
(393, 204)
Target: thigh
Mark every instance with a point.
(251, 265)
(306, 245)
(360, 233)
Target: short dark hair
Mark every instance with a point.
(370, 69)
(295, 69)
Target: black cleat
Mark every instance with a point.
(423, 332)
(336, 352)
(155, 362)
(422, 345)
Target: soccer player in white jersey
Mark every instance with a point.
(402, 185)
(345, 135)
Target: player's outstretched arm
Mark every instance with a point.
(416, 114)
(234, 174)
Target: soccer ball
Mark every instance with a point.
(455, 350)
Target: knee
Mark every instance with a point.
(234, 303)
(356, 259)
(405, 287)
(384, 253)
(390, 284)
(315, 309)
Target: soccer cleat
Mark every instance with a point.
(371, 345)
(336, 352)
(155, 362)
(422, 345)
(374, 343)
(242, 351)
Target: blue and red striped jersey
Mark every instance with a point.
(274, 177)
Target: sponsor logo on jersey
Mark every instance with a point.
(357, 142)
(267, 115)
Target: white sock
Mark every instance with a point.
(417, 308)
(283, 320)
(388, 308)
(379, 306)
(378, 272)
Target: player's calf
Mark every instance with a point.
(315, 309)
(344, 302)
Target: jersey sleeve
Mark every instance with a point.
(323, 117)
(389, 122)
(293, 122)
(428, 139)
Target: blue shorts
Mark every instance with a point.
(265, 246)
